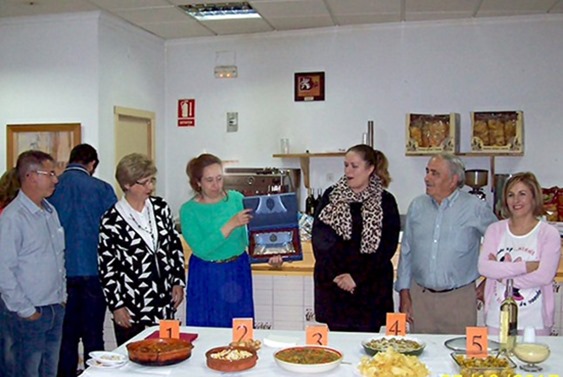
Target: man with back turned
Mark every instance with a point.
(81, 200)
(439, 251)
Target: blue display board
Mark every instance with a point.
(274, 228)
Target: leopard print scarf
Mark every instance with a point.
(338, 216)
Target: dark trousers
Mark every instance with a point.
(7, 350)
(123, 334)
(84, 320)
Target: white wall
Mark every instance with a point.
(48, 73)
(379, 72)
(131, 75)
(76, 68)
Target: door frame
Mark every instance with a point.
(149, 116)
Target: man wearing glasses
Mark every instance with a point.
(81, 200)
(32, 271)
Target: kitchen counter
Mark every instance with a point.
(436, 356)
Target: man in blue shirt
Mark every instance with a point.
(439, 251)
(32, 271)
(81, 200)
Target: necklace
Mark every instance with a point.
(146, 229)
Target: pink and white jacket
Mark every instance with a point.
(549, 249)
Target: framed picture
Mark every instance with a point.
(55, 139)
(310, 86)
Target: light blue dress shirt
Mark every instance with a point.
(32, 270)
(441, 242)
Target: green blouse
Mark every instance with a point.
(201, 228)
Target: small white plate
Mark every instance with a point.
(96, 364)
(108, 358)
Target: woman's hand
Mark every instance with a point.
(240, 219)
(345, 282)
(177, 295)
(122, 318)
(276, 261)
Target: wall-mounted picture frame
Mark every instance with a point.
(309, 86)
(55, 139)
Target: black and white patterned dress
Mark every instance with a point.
(132, 274)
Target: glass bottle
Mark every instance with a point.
(508, 319)
(310, 202)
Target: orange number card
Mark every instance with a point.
(317, 335)
(477, 341)
(169, 329)
(243, 329)
(396, 324)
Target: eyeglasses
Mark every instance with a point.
(51, 173)
(145, 183)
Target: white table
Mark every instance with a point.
(436, 356)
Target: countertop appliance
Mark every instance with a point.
(476, 179)
(262, 181)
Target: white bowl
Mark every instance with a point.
(320, 367)
(108, 358)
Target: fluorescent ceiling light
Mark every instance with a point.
(220, 11)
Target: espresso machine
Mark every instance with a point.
(477, 179)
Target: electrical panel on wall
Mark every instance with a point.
(232, 122)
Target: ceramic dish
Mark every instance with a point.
(308, 359)
(231, 359)
(402, 344)
(460, 344)
(108, 358)
(96, 364)
(157, 352)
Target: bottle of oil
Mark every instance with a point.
(508, 319)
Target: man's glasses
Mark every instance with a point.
(50, 174)
(147, 181)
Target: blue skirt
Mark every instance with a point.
(219, 292)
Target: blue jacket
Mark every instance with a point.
(81, 200)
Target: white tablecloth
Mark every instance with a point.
(436, 356)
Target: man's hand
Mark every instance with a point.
(345, 282)
(405, 305)
(34, 317)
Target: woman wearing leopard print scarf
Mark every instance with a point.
(355, 235)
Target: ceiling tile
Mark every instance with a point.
(516, 6)
(441, 6)
(250, 25)
(426, 16)
(558, 8)
(358, 7)
(290, 8)
(129, 4)
(17, 8)
(368, 18)
(169, 30)
(153, 15)
(294, 23)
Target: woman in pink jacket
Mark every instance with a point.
(525, 249)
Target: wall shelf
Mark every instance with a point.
(490, 155)
(305, 160)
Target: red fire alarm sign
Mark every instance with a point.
(186, 112)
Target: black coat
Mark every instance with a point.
(366, 308)
(129, 269)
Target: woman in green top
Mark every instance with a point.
(214, 226)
